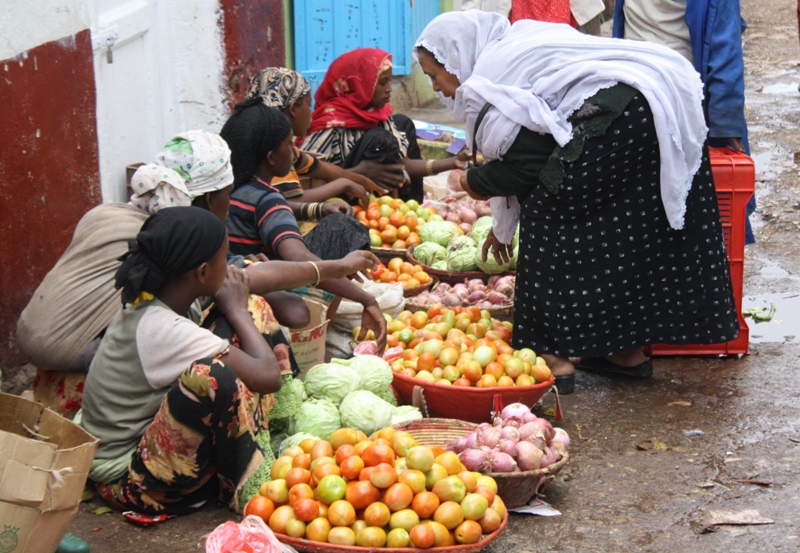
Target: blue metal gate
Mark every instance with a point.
(325, 29)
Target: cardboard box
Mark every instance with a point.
(308, 344)
(44, 462)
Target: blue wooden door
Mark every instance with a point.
(325, 29)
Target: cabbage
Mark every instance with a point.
(480, 229)
(490, 266)
(440, 265)
(365, 411)
(513, 266)
(293, 440)
(375, 373)
(461, 254)
(318, 417)
(387, 395)
(288, 398)
(405, 413)
(429, 253)
(438, 231)
(331, 381)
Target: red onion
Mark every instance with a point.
(475, 284)
(453, 218)
(529, 417)
(468, 216)
(537, 440)
(475, 460)
(505, 289)
(489, 437)
(530, 429)
(549, 458)
(508, 446)
(451, 300)
(442, 287)
(496, 298)
(513, 422)
(549, 433)
(476, 296)
(502, 462)
(498, 422)
(517, 410)
(465, 227)
(509, 433)
(493, 281)
(458, 445)
(529, 457)
(561, 436)
(483, 425)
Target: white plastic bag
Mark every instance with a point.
(506, 216)
(249, 536)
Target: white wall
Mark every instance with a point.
(25, 24)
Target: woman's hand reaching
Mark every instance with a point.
(357, 261)
(329, 208)
(387, 175)
(502, 252)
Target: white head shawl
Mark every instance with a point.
(538, 74)
(190, 165)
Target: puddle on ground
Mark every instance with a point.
(780, 88)
(785, 324)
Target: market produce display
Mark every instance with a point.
(460, 347)
(394, 223)
(463, 211)
(354, 392)
(381, 491)
(517, 441)
(498, 292)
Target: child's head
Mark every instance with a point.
(287, 90)
(260, 138)
(175, 244)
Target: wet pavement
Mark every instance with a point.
(651, 460)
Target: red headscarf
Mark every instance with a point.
(347, 89)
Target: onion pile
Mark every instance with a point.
(462, 211)
(517, 441)
(499, 292)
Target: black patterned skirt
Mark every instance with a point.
(601, 271)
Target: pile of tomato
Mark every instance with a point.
(463, 346)
(394, 223)
(400, 270)
(385, 491)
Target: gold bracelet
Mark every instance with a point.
(316, 268)
(429, 167)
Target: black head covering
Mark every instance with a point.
(170, 243)
(252, 132)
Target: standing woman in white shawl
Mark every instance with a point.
(597, 147)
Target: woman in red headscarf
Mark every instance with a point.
(352, 125)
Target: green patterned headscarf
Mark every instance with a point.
(278, 87)
(190, 165)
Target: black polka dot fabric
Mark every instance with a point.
(600, 269)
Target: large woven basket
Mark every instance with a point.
(309, 546)
(514, 488)
(504, 313)
(450, 277)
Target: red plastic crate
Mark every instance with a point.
(735, 180)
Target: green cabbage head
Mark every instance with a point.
(438, 231)
(428, 253)
(331, 381)
(317, 417)
(461, 254)
(375, 373)
(365, 411)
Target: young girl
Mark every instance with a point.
(174, 406)
(260, 220)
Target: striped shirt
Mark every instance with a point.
(289, 185)
(335, 144)
(259, 219)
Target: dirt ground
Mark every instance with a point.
(638, 478)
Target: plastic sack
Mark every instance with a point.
(249, 536)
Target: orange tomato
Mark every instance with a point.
(388, 276)
(425, 361)
(297, 475)
(394, 264)
(306, 509)
(373, 214)
(422, 276)
(411, 223)
(407, 268)
(398, 497)
(399, 245)
(300, 491)
(396, 219)
(303, 461)
(389, 234)
(341, 513)
(324, 470)
(495, 369)
(279, 518)
(351, 467)
(486, 492)
(392, 341)
(462, 382)
(434, 310)
(422, 536)
(377, 514)
(318, 530)
(419, 319)
(425, 504)
(382, 222)
(360, 494)
(413, 239)
(343, 452)
(468, 531)
(376, 454)
(449, 514)
(322, 448)
(261, 506)
(383, 476)
(372, 223)
(490, 521)
(403, 277)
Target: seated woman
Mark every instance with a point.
(61, 327)
(289, 91)
(178, 411)
(352, 125)
(260, 220)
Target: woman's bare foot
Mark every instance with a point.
(629, 358)
(559, 366)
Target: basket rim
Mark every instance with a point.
(448, 274)
(493, 390)
(302, 544)
(552, 469)
(416, 290)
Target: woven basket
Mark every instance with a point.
(450, 277)
(385, 254)
(309, 546)
(514, 488)
(416, 290)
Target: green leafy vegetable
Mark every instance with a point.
(365, 411)
(331, 381)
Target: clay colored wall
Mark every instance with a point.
(48, 167)
(253, 34)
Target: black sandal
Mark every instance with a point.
(601, 365)
(565, 383)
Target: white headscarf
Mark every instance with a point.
(190, 165)
(537, 74)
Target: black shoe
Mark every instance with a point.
(601, 365)
(565, 383)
